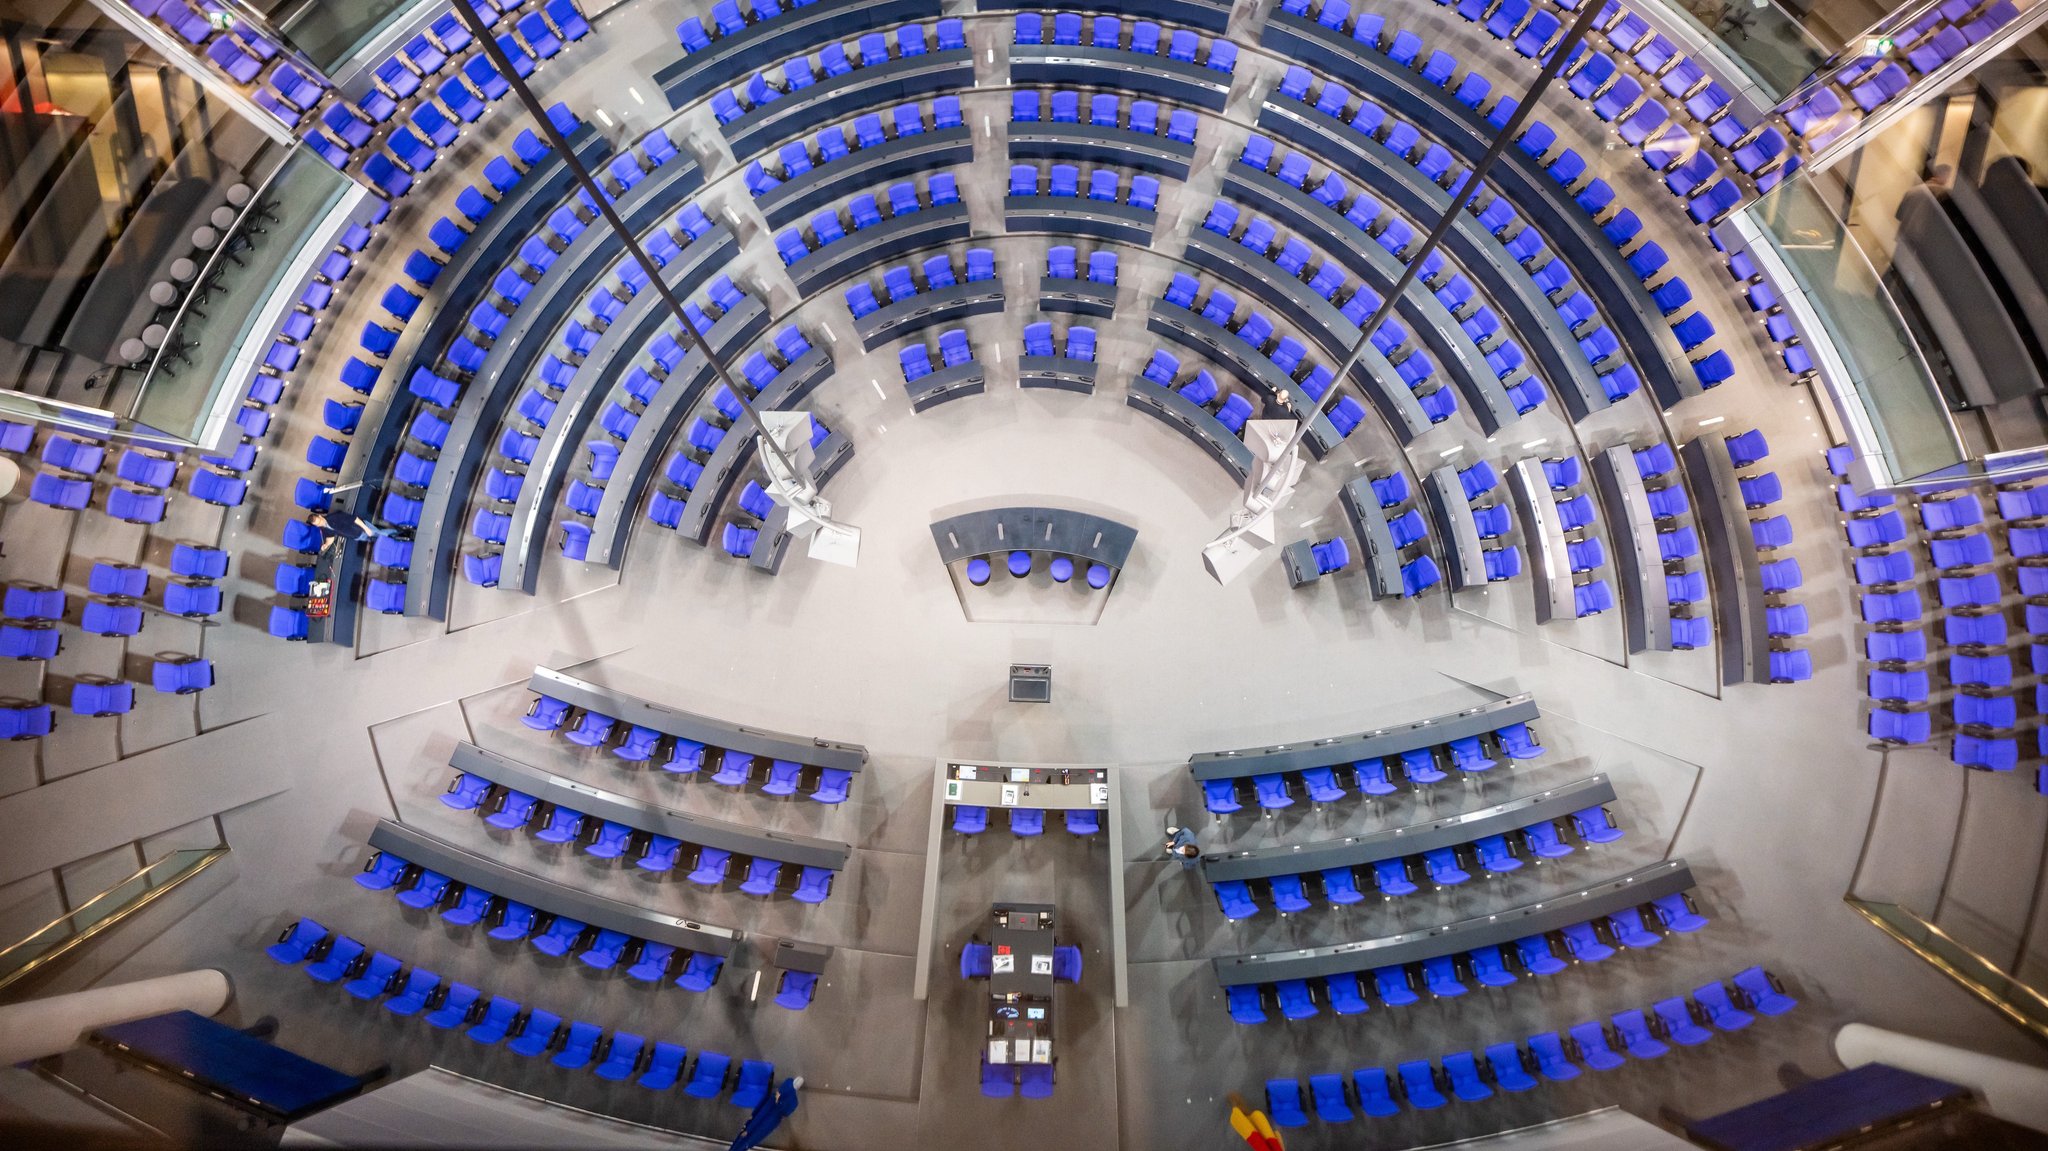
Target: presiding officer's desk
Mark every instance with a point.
(1051, 788)
(1020, 1023)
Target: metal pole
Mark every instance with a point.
(691, 338)
(1469, 188)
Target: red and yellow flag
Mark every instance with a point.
(1253, 1127)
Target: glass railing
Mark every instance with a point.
(1767, 42)
(225, 325)
(2012, 998)
(102, 911)
(1882, 385)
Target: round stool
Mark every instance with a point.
(154, 336)
(1020, 564)
(183, 269)
(223, 218)
(162, 294)
(1098, 576)
(204, 238)
(1062, 569)
(133, 351)
(239, 194)
(977, 570)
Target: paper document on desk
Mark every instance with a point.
(1041, 965)
(1023, 1051)
(998, 1051)
(1005, 964)
(1041, 1050)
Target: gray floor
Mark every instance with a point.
(1768, 792)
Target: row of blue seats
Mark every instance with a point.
(1762, 298)
(1257, 332)
(1076, 343)
(1872, 526)
(797, 158)
(871, 50)
(1062, 570)
(864, 211)
(528, 418)
(508, 809)
(1498, 214)
(1444, 867)
(716, 413)
(1871, 81)
(1104, 184)
(728, 21)
(330, 957)
(1513, 1067)
(411, 149)
(954, 350)
(1025, 822)
(1329, 280)
(899, 285)
(551, 933)
(1105, 110)
(1375, 777)
(1183, 46)
(138, 493)
(684, 756)
(1445, 976)
(1061, 263)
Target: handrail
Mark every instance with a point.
(73, 928)
(2017, 1001)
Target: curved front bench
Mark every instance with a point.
(1096, 144)
(1193, 421)
(894, 321)
(1079, 216)
(894, 159)
(631, 709)
(1083, 66)
(860, 90)
(1061, 531)
(1378, 744)
(925, 228)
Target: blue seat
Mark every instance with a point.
(1244, 1001)
(1591, 1039)
(1027, 821)
(1220, 796)
(1235, 896)
(1283, 1102)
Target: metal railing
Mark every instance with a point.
(72, 929)
(1986, 980)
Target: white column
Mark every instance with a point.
(2013, 1091)
(42, 1027)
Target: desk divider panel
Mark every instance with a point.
(1364, 745)
(484, 873)
(705, 730)
(800, 850)
(1666, 877)
(1363, 850)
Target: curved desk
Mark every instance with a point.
(1734, 570)
(1079, 216)
(1668, 877)
(486, 874)
(1543, 534)
(1074, 65)
(877, 86)
(1083, 535)
(925, 228)
(1099, 145)
(1396, 843)
(1639, 562)
(1209, 15)
(934, 388)
(799, 850)
(1221, 345)
(1465, 557)
(797, 30)
(1057, 372)
(824, 184)
(1369, 521)
(1193, 421)
(710, 732)
(1379, 743)
(894, 321)
(1081, 297)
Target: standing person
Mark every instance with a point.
(768, 1115)
(1180, 843)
